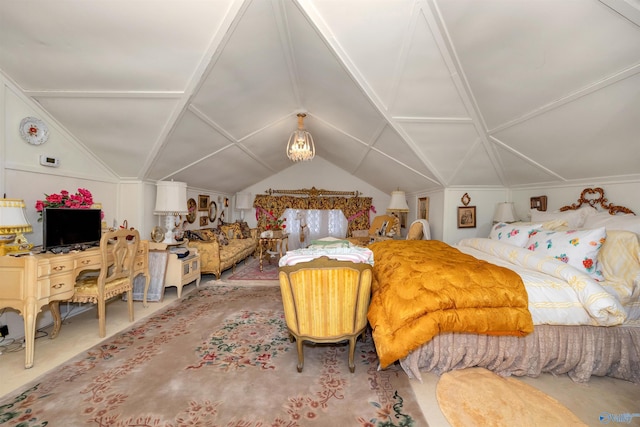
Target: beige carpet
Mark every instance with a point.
(478, 397)
(218, 357)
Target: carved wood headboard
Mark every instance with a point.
(587, 197)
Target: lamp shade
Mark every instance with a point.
(12, 217)
(243, 201)
(398, 202)
(504, 213)
(171, 198)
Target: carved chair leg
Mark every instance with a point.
(299, 343)
(352, 351)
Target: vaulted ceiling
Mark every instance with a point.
(412, 93)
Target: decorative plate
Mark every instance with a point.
(34, 130)
(157, 234)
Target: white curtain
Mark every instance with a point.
(313, 224)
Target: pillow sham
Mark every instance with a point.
(516, 233)
(574, 219)
(578, 248)
(627, 222)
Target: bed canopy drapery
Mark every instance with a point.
(354, 207)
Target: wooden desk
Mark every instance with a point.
(33, 281)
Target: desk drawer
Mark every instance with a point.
(56, 285)
(55, 266)
(88, 262)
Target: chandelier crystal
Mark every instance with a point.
(300, 146)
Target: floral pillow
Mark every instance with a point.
(516, 234)
(232, 230)
(578, 248)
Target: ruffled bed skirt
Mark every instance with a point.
(578, 351)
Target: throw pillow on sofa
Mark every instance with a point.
(231, 230)
(245, 229)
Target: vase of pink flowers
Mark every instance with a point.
(82, 199)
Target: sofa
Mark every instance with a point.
(223, 247)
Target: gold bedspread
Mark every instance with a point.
(424, 287)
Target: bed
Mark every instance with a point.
(574, 307)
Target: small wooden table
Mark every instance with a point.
(273, 246)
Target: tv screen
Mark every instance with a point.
(70, 227)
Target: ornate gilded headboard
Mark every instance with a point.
(588, 197)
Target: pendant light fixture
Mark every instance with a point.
(300, 146)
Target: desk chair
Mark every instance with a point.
(118, 250)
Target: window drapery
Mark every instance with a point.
(355, 209)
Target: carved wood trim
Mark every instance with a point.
(314, 192)
(592, 201)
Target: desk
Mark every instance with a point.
(273, 246)
(33, 281)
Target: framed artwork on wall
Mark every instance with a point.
(466, 217)
(204, 221)
(203, 203)
(423, 208)
(213, 211)
(192, 206)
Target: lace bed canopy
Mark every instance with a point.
(273, 204)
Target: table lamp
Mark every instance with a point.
(243, 203)
(13, 223)
(504, 213)
(171, 201)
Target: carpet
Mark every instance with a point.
(219, 357)
(250, 270)
(479, 397)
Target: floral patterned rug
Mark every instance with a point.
(250, 270)
(219, 357)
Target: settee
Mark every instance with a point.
(223, 247)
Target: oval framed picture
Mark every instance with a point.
(213, 211)
(192, 206)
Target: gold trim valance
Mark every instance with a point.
(355, 208)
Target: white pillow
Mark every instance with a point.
(627, 222)
(516, 234)
(578, 248)
(574, 219)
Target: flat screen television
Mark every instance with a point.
(70, 228)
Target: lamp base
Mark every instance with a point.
(170, 226)
(18, 244)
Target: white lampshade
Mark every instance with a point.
(504, 212)
(398, 202)
(171, 198)
(243, 201)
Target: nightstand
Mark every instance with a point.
(182, 271)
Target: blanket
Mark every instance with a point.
(424, 287)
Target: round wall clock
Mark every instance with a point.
(34, 130)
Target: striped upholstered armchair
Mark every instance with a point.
(326, 301)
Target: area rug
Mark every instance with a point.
(479, 397)
(219, 357)
(250, 270)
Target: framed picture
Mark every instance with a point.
(423, 208)
(204, 221)
(213, 211)
(466, 217)
(193, 207)
(203, 203)
(539, 203)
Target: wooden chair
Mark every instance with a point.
(118, 250)
(326, 301)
